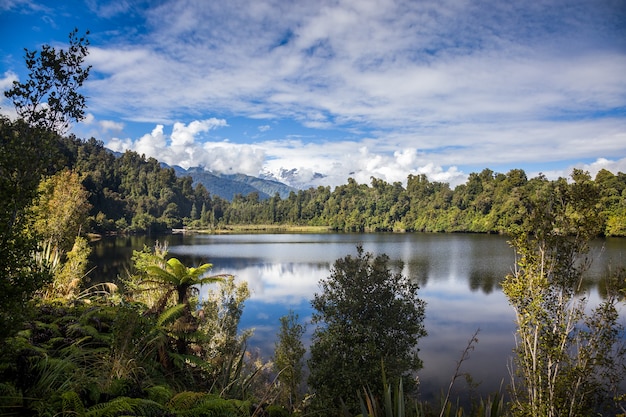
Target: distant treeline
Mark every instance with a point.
(131, 193)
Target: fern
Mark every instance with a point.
(10, 398)
(72, 405)
(127, 407)
(188, 403)
(171, 314)
(80, 330)
(160, 394)
(195, 361)
(185, 400)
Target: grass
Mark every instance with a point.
(256, 228)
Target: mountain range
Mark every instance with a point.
(227, 186)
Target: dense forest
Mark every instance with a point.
(134, 194)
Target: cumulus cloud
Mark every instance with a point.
(329, 163)
(186, 146)
(111, 126)
(612, 165)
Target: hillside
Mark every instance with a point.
(227, 186)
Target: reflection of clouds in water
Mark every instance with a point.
(279, 283)
(452, 315)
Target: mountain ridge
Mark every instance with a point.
(227, 186)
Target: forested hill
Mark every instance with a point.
(132, 193)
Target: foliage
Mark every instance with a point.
(60, 211)
(224, 348)
(288, 360)
(25, 154)
(49, 99)
(132, 193)
(395, 403)
(569, 360)
(69, 275)
(367, 316)
(100, 359)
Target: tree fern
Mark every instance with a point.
(170, 315)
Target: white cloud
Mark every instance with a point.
(348, 61)
(112, 126)
(152, 144)
(182, 147)
(390, 87)
(119, 145)
(183, 135)
(614, 166)
(6, 82)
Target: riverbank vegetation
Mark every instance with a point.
(148, 345)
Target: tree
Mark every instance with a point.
(27, 151)
(61, 210)
(568, 361)
(170, 286)
(180, 279)
(24, 156)
(49, 99)
(369, 322)
(288, 359)
(224, 348)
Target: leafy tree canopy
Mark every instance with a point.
(370, 320)
(50, 99)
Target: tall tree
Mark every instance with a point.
(568, 358)
(369, 322)
(27, 151)
(50, 99)
(61, 210)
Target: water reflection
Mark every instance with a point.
(459, 277)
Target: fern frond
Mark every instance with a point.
(185, 400)
(181, 360)
(171, 314)
(159, 393)
(126, 406)
(72, 405)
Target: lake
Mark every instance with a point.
(458, 274)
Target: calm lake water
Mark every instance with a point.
(459, 277)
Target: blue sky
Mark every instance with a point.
(345, 88)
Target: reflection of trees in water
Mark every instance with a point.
(483, 280)
(613, 282)
(418, 270)
(111, 256)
